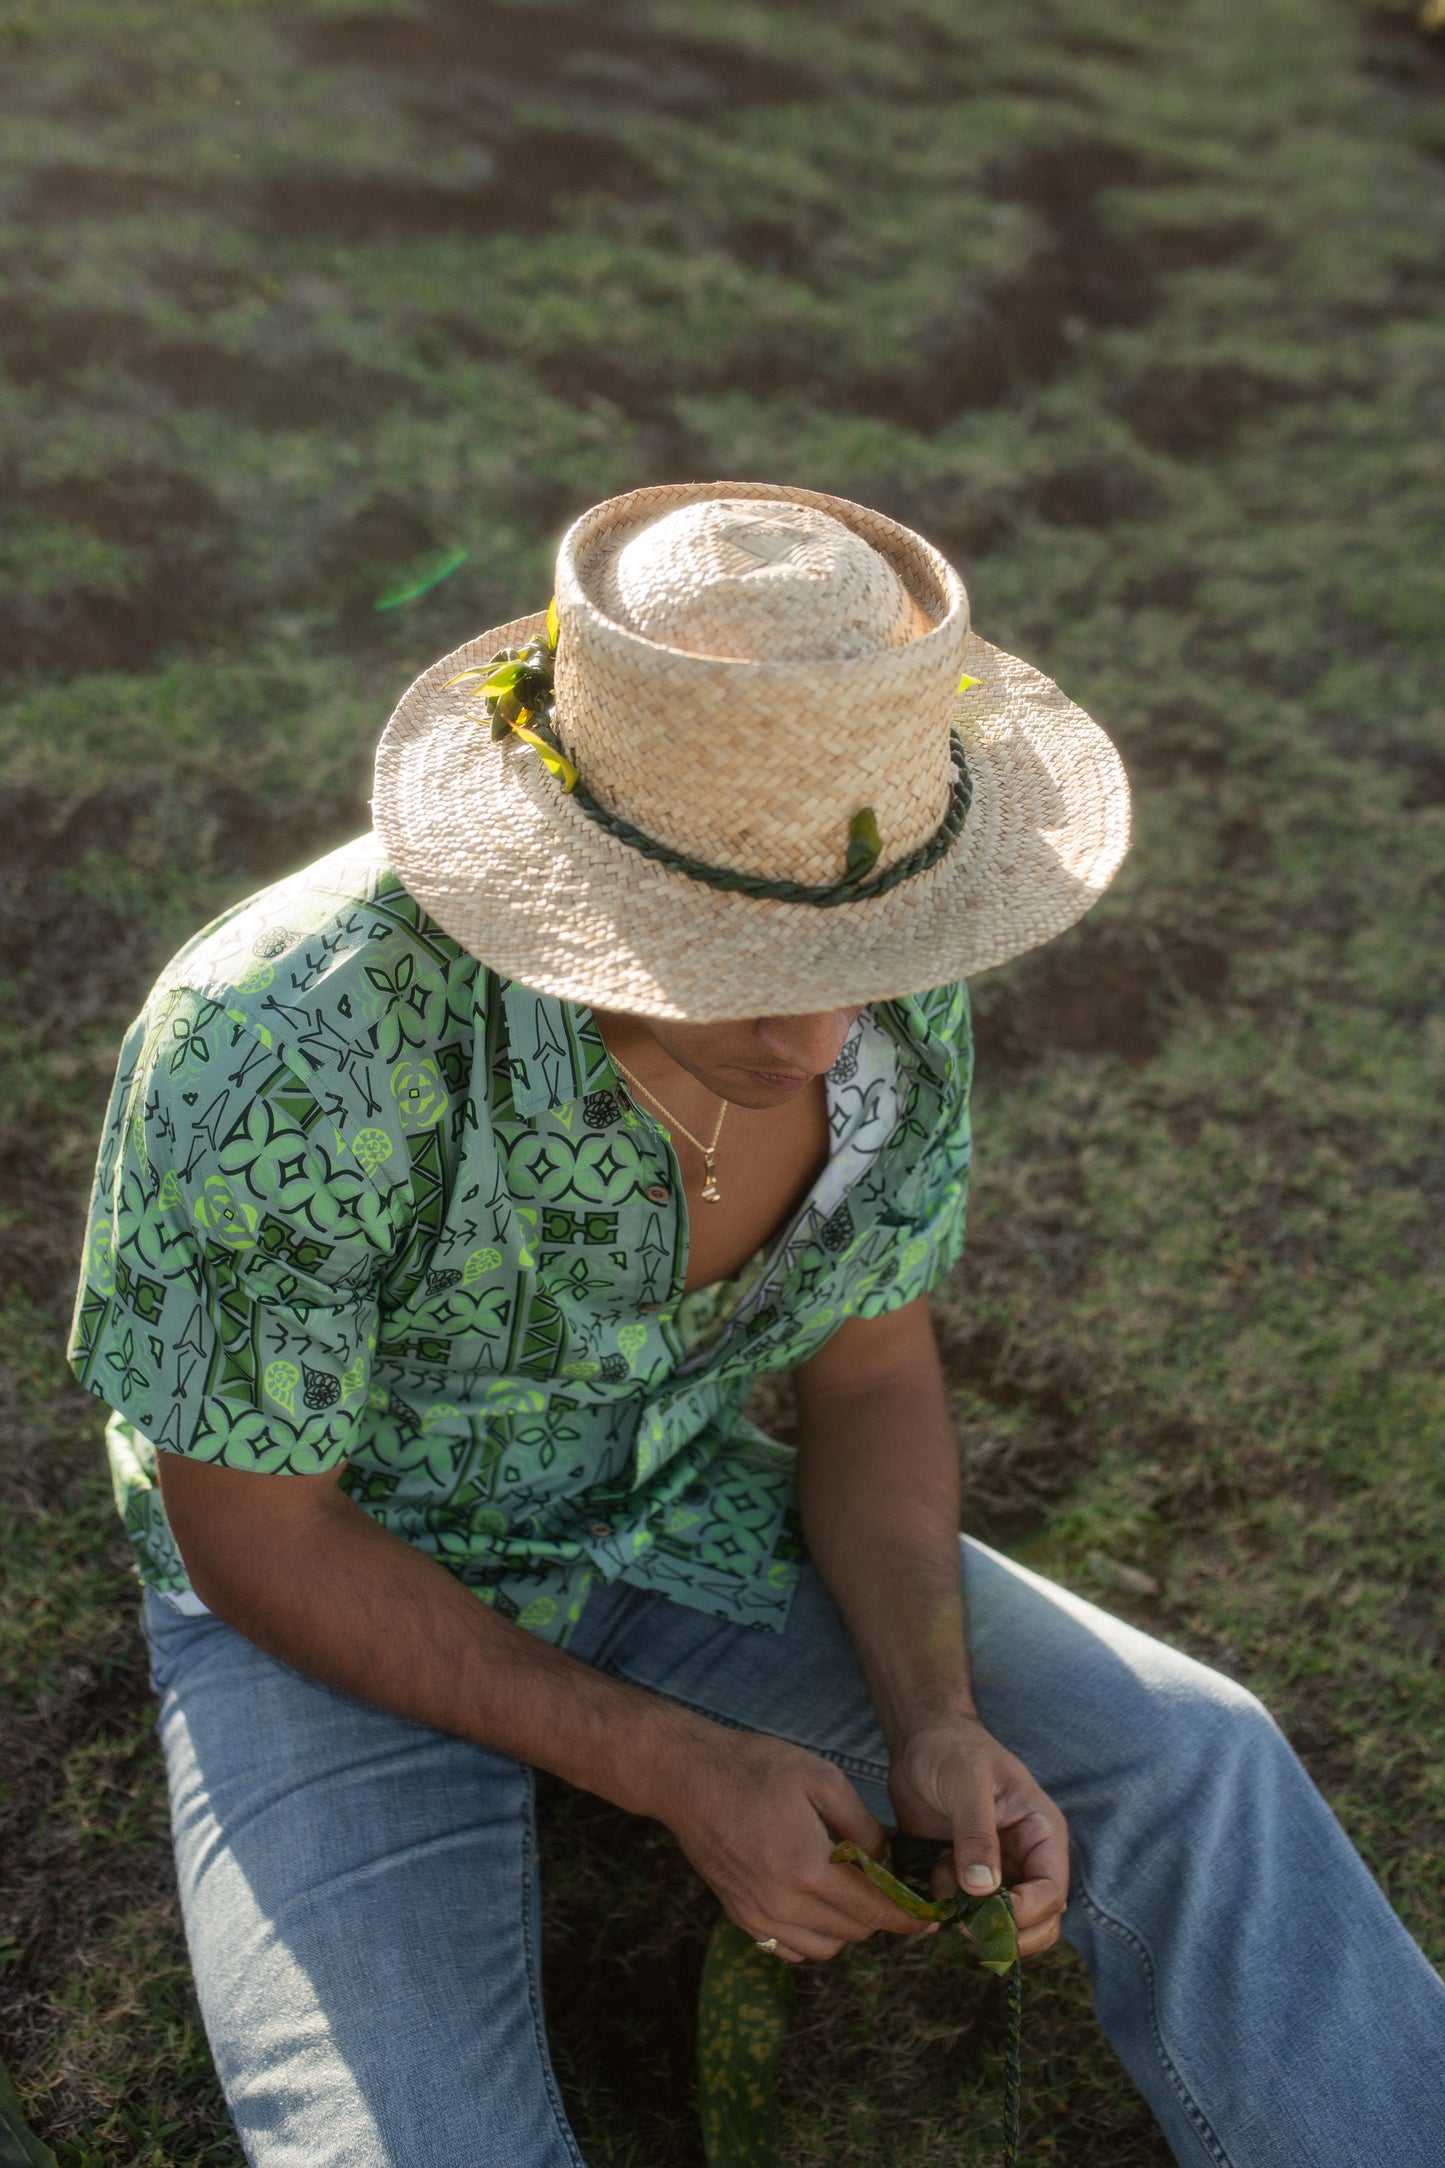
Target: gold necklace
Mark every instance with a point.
(710, 1189)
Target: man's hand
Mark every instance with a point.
(758, 1819)
(953, 1780)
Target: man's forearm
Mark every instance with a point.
(878, 1488)
(339, 1597)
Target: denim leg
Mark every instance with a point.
(1263, 1996)
(360, 1900)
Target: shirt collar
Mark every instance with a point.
(555, 1052)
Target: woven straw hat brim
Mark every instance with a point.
(504, 860)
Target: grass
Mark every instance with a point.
(1141, 321)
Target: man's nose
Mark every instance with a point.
(811, 1043)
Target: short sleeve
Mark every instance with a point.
(228, 1306)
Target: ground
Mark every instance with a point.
(1138, 313)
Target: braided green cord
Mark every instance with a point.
(1013, 2077)
(751, 884)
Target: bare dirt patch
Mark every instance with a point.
(78, 956)
(37, 347)
(1096, 493)
(1081, 273)
(523, 198)
(173, 536)
(324, 390)
(1170, 587)
(963, 521)
(786, 245)
(1101, 990)
(1424, 770)
(70, 191)
(79, 963)
(1185, 409)
(1021, 330)
(1182, 736)
(1399, 51)
(545, 51)
(1015, 1474)
(536, 174)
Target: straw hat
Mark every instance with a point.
(743, 674)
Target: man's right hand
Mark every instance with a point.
(758, 1819)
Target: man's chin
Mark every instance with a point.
(752, 1089)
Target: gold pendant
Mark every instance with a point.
(710, 1190)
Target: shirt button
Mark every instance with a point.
(657, 1193)
(598, 1529)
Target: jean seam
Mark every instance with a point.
(853, 1764)
(1132, 1941)
(532, 1962)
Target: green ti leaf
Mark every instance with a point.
(549, 755)
(505, 680)
(965, 681)
(987, 1921)
(864, 844)
(907, 1900)
(989, 1924)
(554, 626)
(744, 2014)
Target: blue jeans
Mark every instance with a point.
(361, 1902)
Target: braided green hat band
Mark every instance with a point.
(849, 890)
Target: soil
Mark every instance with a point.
(1186, 410)
(1398, 49)
(1102, 989)
(588, 52)
(363, 208)
(1021, 330)
(175, 538)
(41, 348)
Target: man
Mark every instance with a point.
(445, 1216)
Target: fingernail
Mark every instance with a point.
(981, 1879)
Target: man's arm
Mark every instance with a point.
(878, 1486)
(299, 1568)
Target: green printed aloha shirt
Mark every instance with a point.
(360, 1203)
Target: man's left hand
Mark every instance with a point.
(953, 1780)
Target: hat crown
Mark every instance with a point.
(748, 582)
(744, 667)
